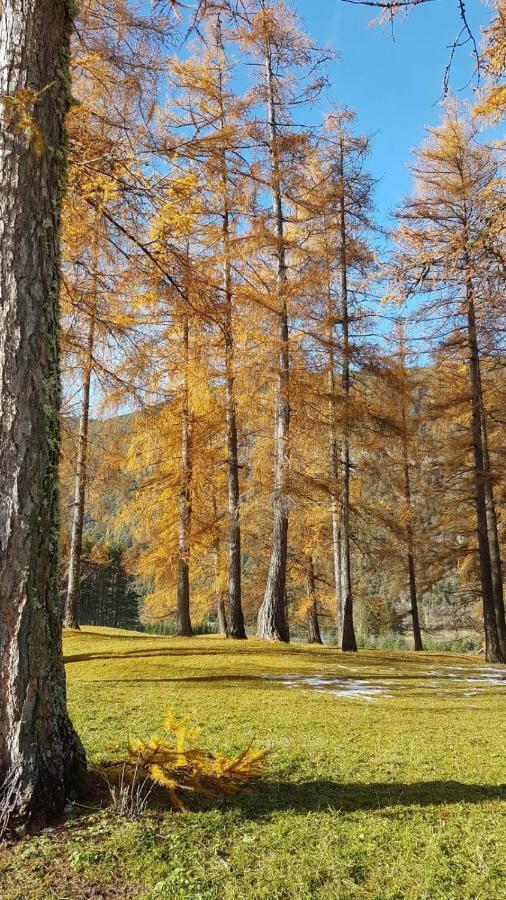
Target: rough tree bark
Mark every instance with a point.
(272, 621)
(313, 625)
(236, 628)
(71, 615)
(183, 620)
(41, 758)
(348, 640)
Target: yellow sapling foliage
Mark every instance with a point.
(178, 767)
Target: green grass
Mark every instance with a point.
(399, 797)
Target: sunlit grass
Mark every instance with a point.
(394, 795)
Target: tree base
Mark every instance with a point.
(269, 628)
(274, 636)
(237, 635)
(31, 795)
(495, 656)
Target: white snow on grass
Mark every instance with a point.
(371, 688)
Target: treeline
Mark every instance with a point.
(320, 425)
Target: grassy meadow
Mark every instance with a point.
(385, 777)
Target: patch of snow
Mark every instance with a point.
(371, 688)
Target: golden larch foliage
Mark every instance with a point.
(180, 768)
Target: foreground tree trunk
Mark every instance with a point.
(71, 616)
(313, 625)
(183, 620)
(495, 652)
(348, 640)
(272, 621)
(41, 758)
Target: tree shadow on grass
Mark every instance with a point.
(221, 650)
(325, 655)
(266, 798)
(322, 796)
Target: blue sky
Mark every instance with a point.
(393, 86)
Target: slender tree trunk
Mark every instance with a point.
(272, 617)
(41, 758)
(493, 536)
(417, 634)
(494, 650)
(220, 600)
(183, 620)
(101, 592)
(71, 617)
(222, 617)
(313, 625)
(348, 640)
(410, 543)
(333, 447)
(236, 624)
(236, 627)
(336, 553)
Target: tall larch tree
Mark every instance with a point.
(443, 252)
(316, 216)
(395, 390)
(405, 397)
(212, 117)
(352, 211)
(106, 137)
(340, 203)
(283, 55)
